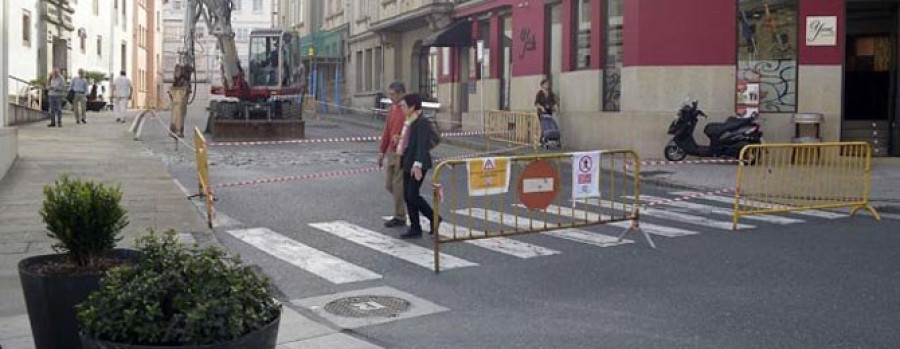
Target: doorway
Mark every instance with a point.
(871, 76)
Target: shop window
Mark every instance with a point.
(484, 28)
(612, 67)
(767, 56)
(581, 46)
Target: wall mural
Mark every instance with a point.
(612, 92)
(776, 81)
(528, 41)
(767, 56)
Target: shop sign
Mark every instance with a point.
(821, 31)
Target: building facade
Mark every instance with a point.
(247, 15)
(146, 27)
(622, 67)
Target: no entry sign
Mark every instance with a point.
(538, 185)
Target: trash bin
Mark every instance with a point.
(808, 127)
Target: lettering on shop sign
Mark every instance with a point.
(821, 31)
(528, 40)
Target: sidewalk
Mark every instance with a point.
(104, 150)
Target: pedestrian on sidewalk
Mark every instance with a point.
(415, 147)
(79, 103)
(388, 148)
(56, 91)
(120, 95)
(545, 101)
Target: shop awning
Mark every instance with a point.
(458, 34)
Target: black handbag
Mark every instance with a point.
(70, 96)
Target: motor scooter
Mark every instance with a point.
(726, 139)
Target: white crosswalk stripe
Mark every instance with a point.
(577, 235)
(412, 253)
(678, 217)
(307, 258)
(650, 228)
(499, 244)
(700, 208)
(757, 204)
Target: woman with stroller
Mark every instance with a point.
(547, 106)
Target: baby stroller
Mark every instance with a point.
(549, 132)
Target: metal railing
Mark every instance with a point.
(481, 198)
(203, 181)
(515, 127)
(24, 93)
(776, 178)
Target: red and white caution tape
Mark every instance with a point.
(688, 197)
(339, 139)
(342, 173)
(320, 175)
(687, 162)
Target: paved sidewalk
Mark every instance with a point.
(104, 150)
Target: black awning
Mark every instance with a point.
(458, 34)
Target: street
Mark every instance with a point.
(802, 280)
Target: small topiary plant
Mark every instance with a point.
(175, 295)
(85, 219)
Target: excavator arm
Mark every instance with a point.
(216, 14)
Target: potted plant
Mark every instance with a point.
(94, 100)
(179, 297)
(85, 220)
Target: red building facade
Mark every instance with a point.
(622, 67)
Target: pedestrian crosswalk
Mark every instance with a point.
(337, 266)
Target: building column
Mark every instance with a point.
(4, 65)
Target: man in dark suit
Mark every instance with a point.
(415, 154)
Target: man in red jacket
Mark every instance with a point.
(388, 148)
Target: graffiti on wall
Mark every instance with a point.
(528, 41)
(612, 88)
(777, 83)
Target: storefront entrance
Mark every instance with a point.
(871, 76)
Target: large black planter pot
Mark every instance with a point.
(264, 338)
(51, 300)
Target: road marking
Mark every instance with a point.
(307, 258)
(499, 244)
(758, 204)
(412, 253)
(678, 217)
(720, 211)
(577, 235)
(650, 228)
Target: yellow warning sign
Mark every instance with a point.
(488, 176)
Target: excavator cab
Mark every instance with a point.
(274, 59)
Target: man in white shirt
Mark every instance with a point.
(80, 86)
(120, 95)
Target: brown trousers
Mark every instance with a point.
(394, 184)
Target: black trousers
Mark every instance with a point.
(415, 203)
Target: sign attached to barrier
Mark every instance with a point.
(488, 176)
(538, 185)
(585, 175)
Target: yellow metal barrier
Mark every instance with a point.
(204, 184)
(774, 178)
(484, 198)
(515, 127)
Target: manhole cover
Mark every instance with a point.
(367, 306)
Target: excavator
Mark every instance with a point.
(262, 102)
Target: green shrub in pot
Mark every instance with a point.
(84, 219)
(178, 296)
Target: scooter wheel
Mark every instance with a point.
(674, 153)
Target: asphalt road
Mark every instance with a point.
(815, 282)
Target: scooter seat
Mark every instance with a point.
(732, 123)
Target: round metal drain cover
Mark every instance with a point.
(367, 306)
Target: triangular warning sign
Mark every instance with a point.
(488, 164)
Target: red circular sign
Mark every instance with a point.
(538, 185)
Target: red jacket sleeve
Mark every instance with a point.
(385, 136)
